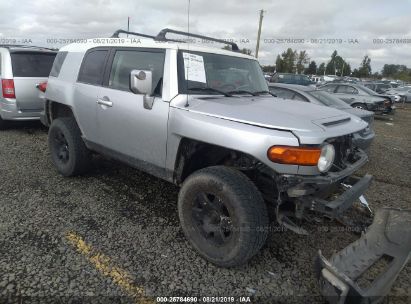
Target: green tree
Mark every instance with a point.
(246, 51)
(302, 60)
(337, 66)
(355, 73)
(311, 69)
(365, 67)
(289, 60)
(279, 64)
(321, 69)
(268, 68)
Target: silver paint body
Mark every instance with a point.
(249, 124)
(28, 103)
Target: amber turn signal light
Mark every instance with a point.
(303, 156)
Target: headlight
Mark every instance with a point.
(326, 158)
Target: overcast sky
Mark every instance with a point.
(355, 21)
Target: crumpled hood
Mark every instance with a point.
(302, 118)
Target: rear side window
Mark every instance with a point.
(329, 88)
(92, 68)
(58, 62)
(126, 61)
(31, 64)
(347, 90)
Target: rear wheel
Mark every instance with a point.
(68, 151)
(223, 215)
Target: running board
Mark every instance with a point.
(346, 277)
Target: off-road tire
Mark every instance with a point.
(244, 203)
(79, 157)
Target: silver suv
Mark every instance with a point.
(203, 119)
(21, 69)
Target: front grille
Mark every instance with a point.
(343, 152)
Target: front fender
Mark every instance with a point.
(249, 139)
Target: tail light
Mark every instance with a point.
(8, 88)
(42, 86)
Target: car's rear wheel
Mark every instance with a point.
(68, 151)
(223, 215)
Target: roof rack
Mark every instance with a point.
(26, 46)
(118, 32)
(161, 36)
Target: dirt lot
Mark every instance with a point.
(113, 235)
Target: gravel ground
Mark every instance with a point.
(113, 235)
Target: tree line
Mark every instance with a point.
(293, 61)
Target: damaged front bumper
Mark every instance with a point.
(352, 275)
(309, 192)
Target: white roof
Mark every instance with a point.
(83, 45)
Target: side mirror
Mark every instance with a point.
(141, 82)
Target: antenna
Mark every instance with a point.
(188, 48)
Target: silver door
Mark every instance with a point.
(125, 126)
(86, 92)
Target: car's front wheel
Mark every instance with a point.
(223, 215)
(68, 151)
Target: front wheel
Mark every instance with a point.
(223, 215)
(68, 151)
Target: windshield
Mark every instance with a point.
(219, 72)
(329, 99)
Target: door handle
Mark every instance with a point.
(104, 102)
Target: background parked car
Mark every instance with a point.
(362, 139)
(21, 69)
(378, 87)
(360, 97)
(405, 92)
(292, 79)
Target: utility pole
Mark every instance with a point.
(128, 25)
(259, 33)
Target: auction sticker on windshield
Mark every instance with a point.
(194, 67)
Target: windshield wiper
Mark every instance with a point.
(209, 89)
(242, 92)
(264, 92)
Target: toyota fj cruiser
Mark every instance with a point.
(203, 119)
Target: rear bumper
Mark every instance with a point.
(10, 111)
